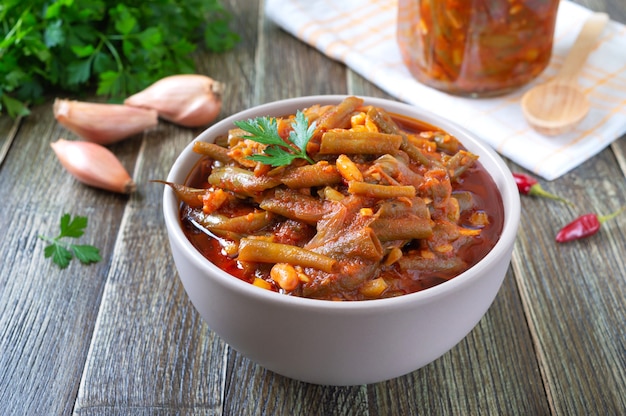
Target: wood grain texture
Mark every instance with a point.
(9, 128)
(574, 293)
(139, 336)
(120, 337)
(47, 315)
(292, 68)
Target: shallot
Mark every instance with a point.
(189, 100)
(94, 165)
(103, 123)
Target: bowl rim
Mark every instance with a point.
(507, 189)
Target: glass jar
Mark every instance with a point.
(476, 48)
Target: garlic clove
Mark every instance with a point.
(103, 123)
(190, 100)
(94, 165)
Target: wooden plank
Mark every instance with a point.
(619, 149)
(287, 67)
(151, 352)
(8, 130)
(575, 294)
(47, 314)
(251, 390)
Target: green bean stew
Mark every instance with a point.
(391, 206)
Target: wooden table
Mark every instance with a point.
(120, 337)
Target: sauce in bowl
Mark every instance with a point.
(390, 206)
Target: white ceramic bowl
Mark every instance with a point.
(342, 343)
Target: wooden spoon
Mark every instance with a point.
(558, 105)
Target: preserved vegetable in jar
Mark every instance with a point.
(476, 48)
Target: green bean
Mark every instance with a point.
(262, 251)
(436, 264)
(185, 194)
(381, 191)
(241, 181)
(446, 143)
(307, 176)
(386, 124)
(212, 150)
(410, 227)
(353, 242)
(395, 167)
(459, 163)
(294, 205)
(417, 155)
(397, 208)
(243, 224)
(196, 217)
(339, 115)
(359, 142)
(314, 112)
(383, 121)
(222, 140)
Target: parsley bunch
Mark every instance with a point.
(117, 47)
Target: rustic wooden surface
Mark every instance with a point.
(120, 337)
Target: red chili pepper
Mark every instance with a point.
(584, 226)
(528, 185)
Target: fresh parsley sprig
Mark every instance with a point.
(61, 252)
(279, 152)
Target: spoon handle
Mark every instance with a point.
(585, 42)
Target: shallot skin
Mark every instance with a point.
(189, 100)
(94, 165)
(103, 123)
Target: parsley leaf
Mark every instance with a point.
(86, 253)
(72, 227)
(62, 253)
(279, 152)
(302, 132)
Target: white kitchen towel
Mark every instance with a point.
(362, 34)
